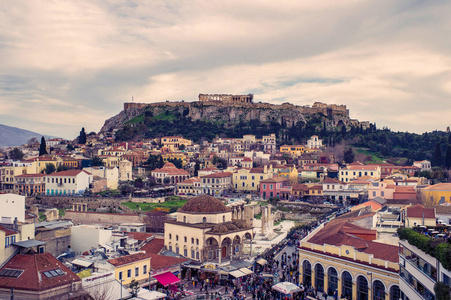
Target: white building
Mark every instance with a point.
(125, 170)
(110, 173)
(12, 206)
(86, 237)
(424, 165)
(69, 182)
(314, 142)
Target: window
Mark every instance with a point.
(144, 269)
(270, 186)
(129, 273)
(170, 236)
(186, 239)
(185, 252)
(176, 237)
(7, 241)
(120, 275)
(197, 241)
(264, 186)
(192, 240)
(136, 271)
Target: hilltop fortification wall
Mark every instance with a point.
(231, 112)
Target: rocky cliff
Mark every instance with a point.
(233, 113)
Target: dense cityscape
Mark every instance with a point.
(254, 217)
(225, 150)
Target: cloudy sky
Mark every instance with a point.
(68, 64)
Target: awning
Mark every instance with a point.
(82, 263)
(262, 261)
(246, 271)
(167, 278)
(237, 274)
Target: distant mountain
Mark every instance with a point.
(13, 136)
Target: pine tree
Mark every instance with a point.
(448, 157)
(42, 147)
(82, 137)
(437, 159)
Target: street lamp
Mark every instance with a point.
(371, 284)
(121, 287)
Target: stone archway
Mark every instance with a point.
(226, 248)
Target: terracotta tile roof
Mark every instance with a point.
(333, 181)
(128, 259)
(218, 175)
(439, 187)
(7, 231)
(33, 277)
(154, 246)
(274, 180)
(360, 167)
(341, 232)
(68, 173)
(189, 181)
(417, 211)
(161, 261)
(383, 251)
(30, 175)
(140, 236)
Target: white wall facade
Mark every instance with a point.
(12, 206)
(83, 237)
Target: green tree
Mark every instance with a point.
(221, 163)
(97, 162)
(448, 157)
(442, 291)
(134, 287)
(166, 180)
(437, 159)
(154, 162)
(61, 168)
(49, 168)
(182, 147)
(69, 147)
(196, 169)
(82, 136)
(348, 155)
(42, 147)
(178, 163)
(16, 154)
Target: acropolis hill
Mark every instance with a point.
(231, 109)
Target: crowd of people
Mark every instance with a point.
(281, 264)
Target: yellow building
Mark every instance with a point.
(175, 155)
(287, 171)
(111, 161)
(295, 150)
(436, 194)
(174, 142)
(249, 179)
(342, 258)
(131, 267)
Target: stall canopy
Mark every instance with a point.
(237, 274)
(166, 278)
(246, 271)
(286, 288)
(262, 261)
(82, 263)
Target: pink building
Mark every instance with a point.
(272, 187)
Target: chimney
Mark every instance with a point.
(16, 228)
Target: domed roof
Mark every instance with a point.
(168, 165)
(204, 204)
